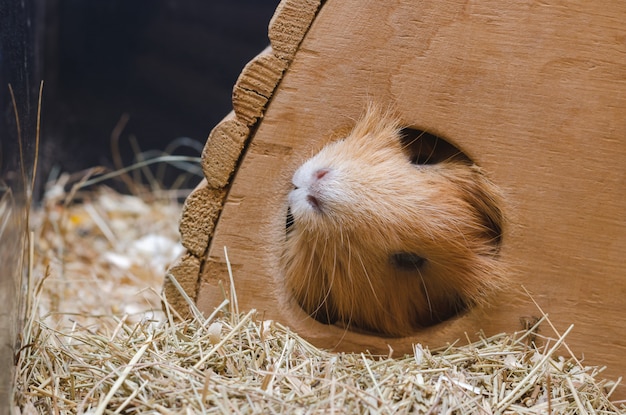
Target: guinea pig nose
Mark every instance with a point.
(320, 173)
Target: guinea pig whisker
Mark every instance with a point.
(458, 155)
(331, 282)
(323, 304)
(353, 294)
(369, 281)
(448, 224)
(430, 154)
(309, 271)
(430, 305)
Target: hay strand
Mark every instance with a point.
(100, 343)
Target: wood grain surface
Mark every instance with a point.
(533, 92)
(226, 144)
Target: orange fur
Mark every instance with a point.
(358, 202)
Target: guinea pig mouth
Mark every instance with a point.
(308, 198)
(314, 202)
(290, 220)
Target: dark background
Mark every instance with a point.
(169, 65)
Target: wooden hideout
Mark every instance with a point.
(533, 92)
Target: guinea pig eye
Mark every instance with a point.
(407, 261)
(424, 148)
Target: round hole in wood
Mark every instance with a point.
(391, 236)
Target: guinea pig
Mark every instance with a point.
(384, 238)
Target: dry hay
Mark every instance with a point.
(97, 341)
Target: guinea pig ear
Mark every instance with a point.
(486, 199)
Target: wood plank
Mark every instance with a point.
(535, 93)
(227, 141)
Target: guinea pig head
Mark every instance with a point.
(380, 240)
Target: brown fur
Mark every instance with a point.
(370, 203)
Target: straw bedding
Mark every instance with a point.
(97, 340)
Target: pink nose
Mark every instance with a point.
(320, 173)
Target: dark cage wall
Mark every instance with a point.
(167, 67)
